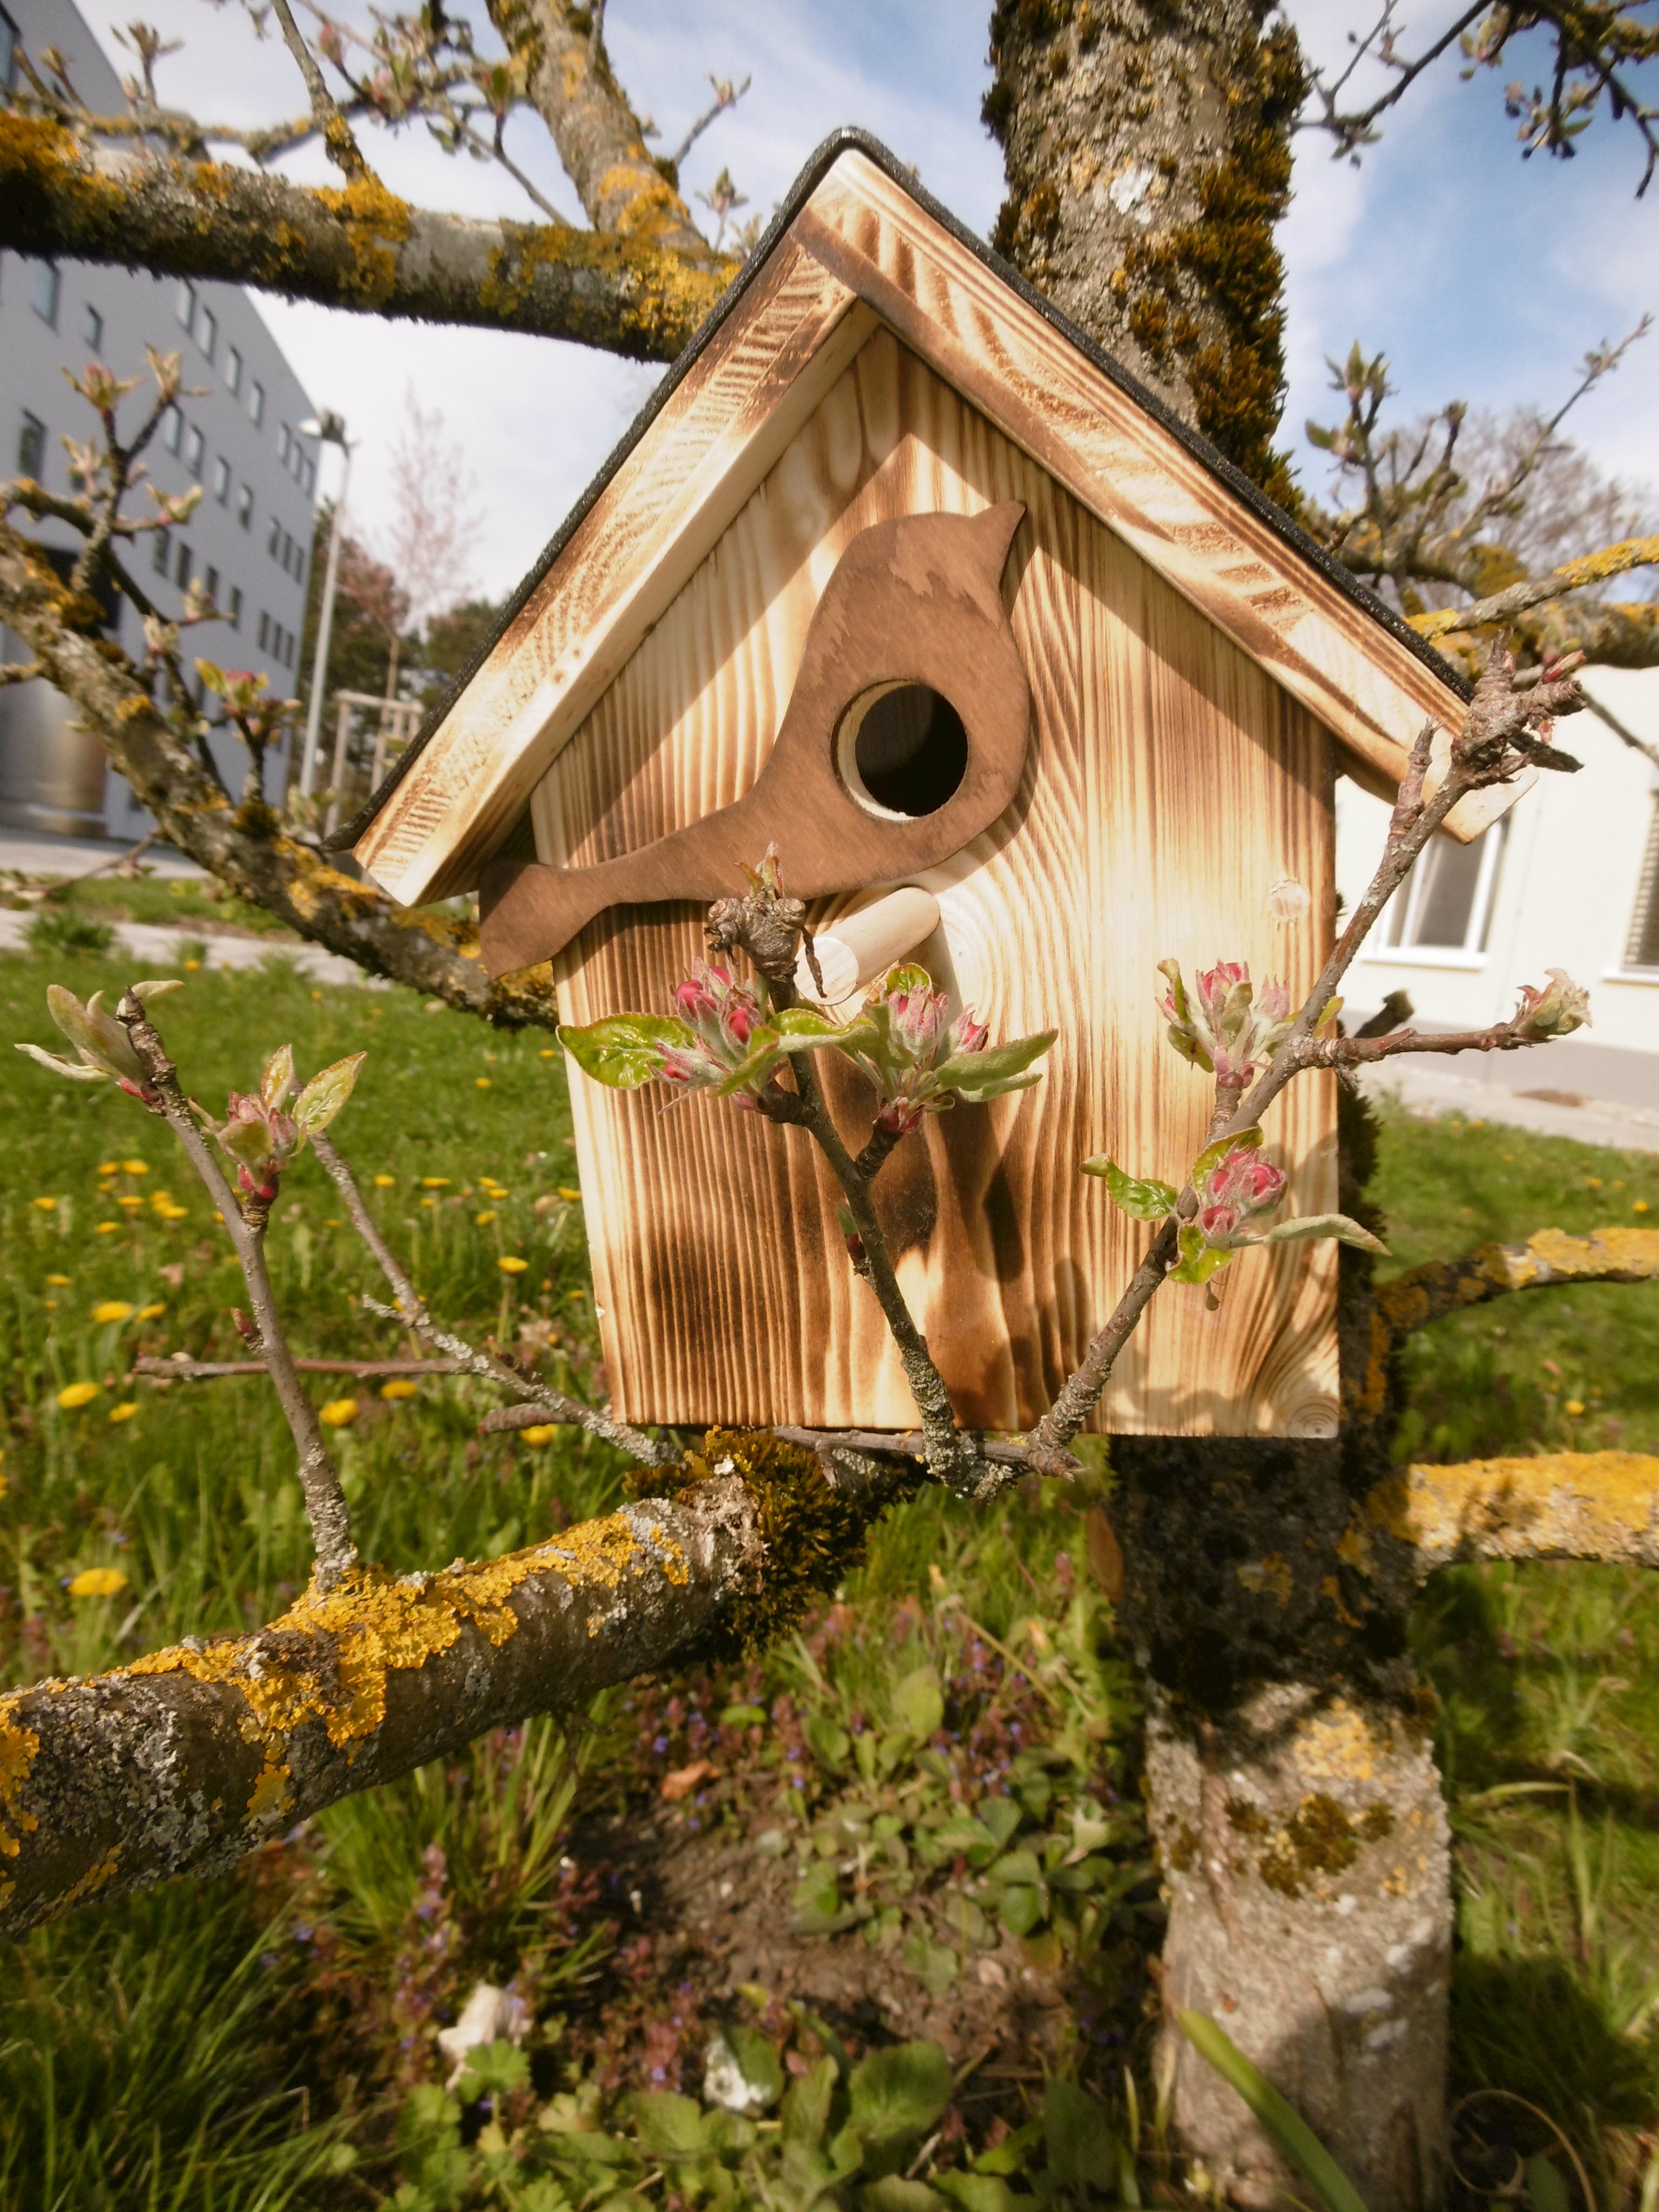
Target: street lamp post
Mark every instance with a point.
(331, 430)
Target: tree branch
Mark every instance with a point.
(1504, 607)
(640, 293)
(1548, 1259)
(342, 148)
(213, 1370)
(1561, 1505)
(190, 1758)
(245, 846)
(552, 1405)
(325, 1506)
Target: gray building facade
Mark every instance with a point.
(236, 432)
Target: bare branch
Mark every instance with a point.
(325, 1506)
(725, 97)
(180, 1370)
(342, 148)
(1549, 1260)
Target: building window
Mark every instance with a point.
(245, 507)
(274, 539)
(212, 581)
(173, 429)
(195, 447)
(285, 445)
(207, 332)
(46, 291)
(236, 606)
(1445, 903)
(181, 568)
(233, 369)
(158, 560)
(256, 402)
(183, 305)
(1643, 949)
(92, 328)
(31, 446)
(221, 478)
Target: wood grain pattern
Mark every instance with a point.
(861, 249)
(1169, 783)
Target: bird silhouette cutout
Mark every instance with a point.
(904, 739)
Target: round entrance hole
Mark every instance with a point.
(909, 751)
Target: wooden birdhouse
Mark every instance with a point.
(898, 570)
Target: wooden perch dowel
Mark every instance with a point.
(859, 947)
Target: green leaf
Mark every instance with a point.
(1323, 1224)
(1213, 1155)
(1001, 1815)
(78, 1071)
(897, 2093)
(1009, 2155)
(326, 1092)
(1081, 2147)
(1017, 1866)
(806, 2108)
(797, 1028)
(1545, 2187)
(891, 2194)
(624, 1050)
(1020, 1909)
(906, 976)
(935, 1964)
(758, 2063)
(278, 1077)
(971, 1071)
(828, 1744)
(980, 2192)
(1147, 1200)
(743, 1717)
(670, 2127)
(918, 1703)
(1288, 2129)
(493, 2068)
(1198, 1261)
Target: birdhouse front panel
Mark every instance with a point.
(1166, 785)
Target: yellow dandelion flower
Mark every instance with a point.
(46, 1204)
(74, 1394)
(97, 1582)
(568, 1195)
(484, 1219)
(190, 966)
(1592, 1183)
(1573, 1408)
(60, 1282)
(124, 1411)
(316, 994)
(483, 1082)
(428, 1201)
(1640, 1206)
(180, 1213)
(511, 1264)
(135, 1167)
(112, 1310)
(385, 1182)
(339, 1413)
(434, 1182)
(400, 1386)
(109, 1167)
(51, 1305)
(538, 1436)
(107, 1228)
(150, 1313)
(131, 1199)
(547, 1052)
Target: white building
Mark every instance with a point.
(235, 433)
(1568, 879)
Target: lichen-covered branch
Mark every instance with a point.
(1550, 1259)
(192, 1757)
(247, 847)
(1563, 1505)
(1501, 608)
(640, 293)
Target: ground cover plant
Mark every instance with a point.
(913, 1828)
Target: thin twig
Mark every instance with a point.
(901, 1445)
(411, 1310)
(211, 1370)
(325, 1506)
(342, 147)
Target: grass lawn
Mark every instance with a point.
(267, 2040)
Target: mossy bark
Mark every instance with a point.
(1148, 159)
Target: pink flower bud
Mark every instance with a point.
(967, 1035)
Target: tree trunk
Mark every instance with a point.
(1293, 1794)
(1148, 159)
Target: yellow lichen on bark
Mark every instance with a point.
(327, 1659)
(18, 1747)
(1548, 1257)
(379, 223)
(1573, 1505)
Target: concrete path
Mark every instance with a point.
(1432, 1089)
(157, 945)
(37, 852)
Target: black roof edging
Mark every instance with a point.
(822, 159)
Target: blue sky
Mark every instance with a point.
(1482, 275)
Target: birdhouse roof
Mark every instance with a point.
(858, 244)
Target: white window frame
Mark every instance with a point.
(1471, 953)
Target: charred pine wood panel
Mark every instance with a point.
(1168, 784)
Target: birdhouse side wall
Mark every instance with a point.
(1170, 784)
